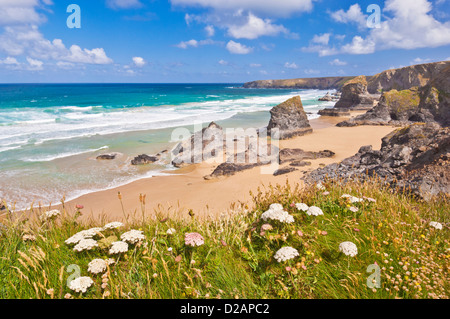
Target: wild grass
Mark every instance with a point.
(237, 257)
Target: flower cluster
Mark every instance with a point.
(314, 211)
(286, 253)
(436, 225)
(352, 199)
(133, 236)
(171, 231)
(193, 239)
(97, 266)
(51, 214)
(113, 225)
(302, 206)
(276, 212)
(81, 284)
(348, 248)
(85, 244)
(118, 247)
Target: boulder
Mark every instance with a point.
(355, 95)
(283, 171)
(144, 159)
(290, 118)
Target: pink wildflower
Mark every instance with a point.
(194, 239)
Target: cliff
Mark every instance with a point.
(324, 83)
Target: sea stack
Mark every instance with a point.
(290, 118)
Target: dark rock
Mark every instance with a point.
(2, 206)
(296, 154)
(290, 118)
(144, 159)
(355, 95)
(415, 158)
(106, 156)
(283, 171)
(229, 169)
(335, 112)
(300, 163)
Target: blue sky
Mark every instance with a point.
(215, 40)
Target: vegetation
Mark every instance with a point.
(391, 230)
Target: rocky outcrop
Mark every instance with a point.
(405, 78)
(430, 103)
(330, 97)
(144, 160)
(324, 83)
(200, 147)
(283, 171)
(290, 119)
(297, 154)
(415, 158)
(355, 95)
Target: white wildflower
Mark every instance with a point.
(302, 206)
(348, 248)
(369, 199)
(352, 199)
(276, 212)
(354, 209)
(320, 187)
(113, 225)
(81, 284)
(118, 247)
(75, 239)
(84, 234)
(171, 231)
(286, 253)
(436, 225)
(133, 236)
(314, 211)
(51, 214)
(97, 266)
(85, 244)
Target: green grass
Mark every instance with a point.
(237, 258)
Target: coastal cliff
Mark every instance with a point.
(324, 83)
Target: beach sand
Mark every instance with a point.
(188, 190)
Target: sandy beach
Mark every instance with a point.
(187, 189)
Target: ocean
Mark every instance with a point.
(51, 134)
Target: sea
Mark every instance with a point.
(51, 134)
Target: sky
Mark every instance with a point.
(216, 41)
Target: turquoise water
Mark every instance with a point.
(50, 135)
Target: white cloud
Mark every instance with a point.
(311, 71)
(410, 25)
(322, 38)
(271, 7)
(420, 61)
(35, 65)
(21, 37)
(223, 62)
(193, 43)
(292, 65)
(255, 65)
(139, 62)
(338, 62)
(210, 31)
(256, 27)
(9, 61)
(238, 48)
(352, 15)
(123, 4)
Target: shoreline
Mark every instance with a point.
(186, 189)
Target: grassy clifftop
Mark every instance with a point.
(322, 248)
(325, 83)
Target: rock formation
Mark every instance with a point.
(106, 156)
(430, 103)
(144, 159)
(290, 118)
(415, 158)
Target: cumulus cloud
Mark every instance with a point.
(223, 62)
(338, 62)
(139, 62)
(255, 65)
(255, 27)
(21, 37)
(193, 43)
(410, 25)
(210, 31)
(292, 65)
(352, 15)
(322, 38)
(238, 48)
